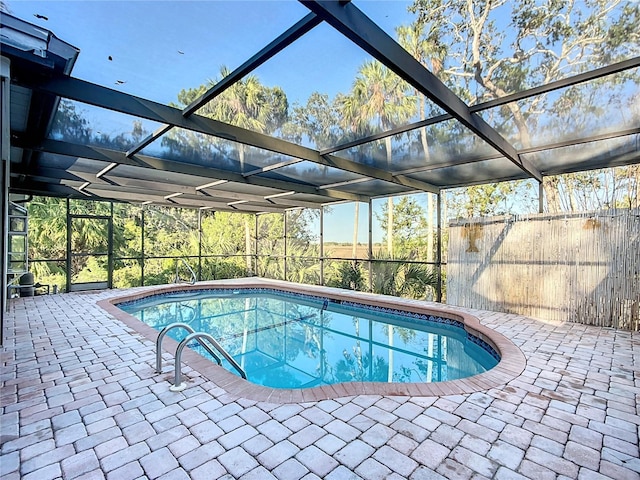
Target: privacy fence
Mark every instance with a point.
(582, 268)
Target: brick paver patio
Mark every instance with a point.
(80, 400)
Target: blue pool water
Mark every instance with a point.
(287, 340)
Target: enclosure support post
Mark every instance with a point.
(199, 244)
(540, 197)
(439, 246)
(284, 236)
(322, 246)
(68, 246)
(5, 174)
(370, 252)
(255, 247)
(142, 220)
(110, 262)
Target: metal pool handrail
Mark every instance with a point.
(166, 330)
(193, 335)
(177, 382)
(193, 279)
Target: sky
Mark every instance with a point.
(160, 47)
(153, 49)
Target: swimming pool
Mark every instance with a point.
(292, 340)
(198, 369)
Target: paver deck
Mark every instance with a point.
(80, 400)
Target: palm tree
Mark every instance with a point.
(401, 279)
(378, 99)
(248, 104)
(427, 49)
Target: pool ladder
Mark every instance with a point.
(199, 337)
(192, 280)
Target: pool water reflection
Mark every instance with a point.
(285, 340)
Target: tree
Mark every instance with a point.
(490, 199)
(379, 100)
(48, 239)
(425, 46)
(486, 58)
(69, 124)
(303, 248)
(401, 278)
(628, 178)
(247, 104)
(348, 275)
(318, 122)
(409, 229)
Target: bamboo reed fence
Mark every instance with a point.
(582, 268)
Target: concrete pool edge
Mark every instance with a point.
(511, 365)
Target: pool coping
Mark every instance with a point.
(511, 365)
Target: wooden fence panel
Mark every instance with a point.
(582, 268)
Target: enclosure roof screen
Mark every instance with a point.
(263, 106)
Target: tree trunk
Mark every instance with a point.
(427, 157)
(572, 199)
(387, 142)
(635, 202)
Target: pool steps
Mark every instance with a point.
(199, 337)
